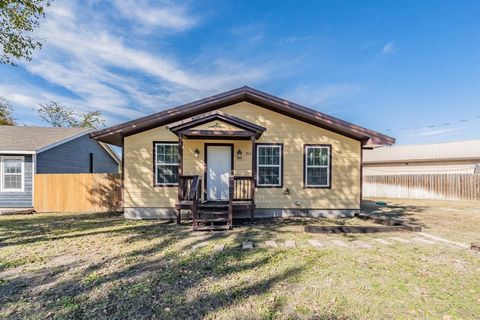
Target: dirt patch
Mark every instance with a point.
(453, 220)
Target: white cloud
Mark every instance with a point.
(436, 132)
(321, 95)
(27, 98)
(170, 15)
(389, 48)
(100, 47)
(102, 68)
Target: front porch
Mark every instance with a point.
(216, 171)
(215, 215)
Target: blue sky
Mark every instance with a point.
(410, 69)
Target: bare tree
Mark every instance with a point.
(6, 113)
(60, 116)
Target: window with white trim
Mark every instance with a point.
(166, 163)
(12, 174)
(269, 165)
(317, 166)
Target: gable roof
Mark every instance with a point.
(36, 139)
(458, 150)
(31, 140)
(181, 126)
(114, 134)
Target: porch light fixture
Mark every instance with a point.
(239, 154)
(196, 153)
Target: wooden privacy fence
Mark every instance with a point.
(423, 186)
(83, 192)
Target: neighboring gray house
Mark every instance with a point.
(28, 150)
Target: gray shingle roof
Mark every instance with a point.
(22, 138)
(459, 150)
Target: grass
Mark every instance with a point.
(102, 266)
(455, 220)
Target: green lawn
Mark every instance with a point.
(102, 266)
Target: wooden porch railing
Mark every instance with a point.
(184, 185)
(241, 189)
(194, 195)
(189, 191)
(241, 196)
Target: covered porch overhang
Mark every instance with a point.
(196, 136)
(237, 129)
(218, 134)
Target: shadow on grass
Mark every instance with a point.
(166, 279)
(405, 213)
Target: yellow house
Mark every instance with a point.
(240, 153)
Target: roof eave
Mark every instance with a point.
(18, 152)
(114, 134)
(215, 116)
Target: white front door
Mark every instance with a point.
(219, 165)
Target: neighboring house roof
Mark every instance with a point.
(115, 134)
(459, 150)
(420, 168)
(25, 139)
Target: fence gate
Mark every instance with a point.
(83, 192)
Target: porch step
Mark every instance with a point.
(209, 228)
(200, 212)
(213, 205)
(205, 220)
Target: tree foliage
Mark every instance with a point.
(6, 113)
(60, 116)
(18, 19)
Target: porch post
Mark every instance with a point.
(180, 174)
(254, 174)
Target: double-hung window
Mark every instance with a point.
(12, 174)
(166, 163)
(317, 166)
(269, 165)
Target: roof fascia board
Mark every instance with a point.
(254, 96)
(240, 123)
(111, 152)
(297, 109)
(172, 115)
(306, 118)
(17, 152)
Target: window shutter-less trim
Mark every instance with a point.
(269, 162)
(12, 174)
(165, 163)
(317, 166)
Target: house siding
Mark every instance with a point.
(294, 134)
(74, 157)
(19, 199)
(216, 125)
